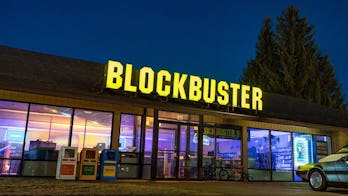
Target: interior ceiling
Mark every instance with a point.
(14, 114)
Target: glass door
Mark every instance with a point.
(177, 151)
(188, 152)
(167, 151)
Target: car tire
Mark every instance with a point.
(317, 180)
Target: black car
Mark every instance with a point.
(331, 170)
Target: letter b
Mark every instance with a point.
(113, 77)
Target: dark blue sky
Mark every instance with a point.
(212, 39)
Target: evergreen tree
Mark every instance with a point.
(288, 62)
(265, 61)
(329, 91)
(297, 53)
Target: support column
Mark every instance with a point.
(245, 148)
(154, 145)
(142, 143)
(200, 147)
(116, 130)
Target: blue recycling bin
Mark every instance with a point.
(108, 164)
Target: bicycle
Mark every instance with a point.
(237, 174)
(209, 172)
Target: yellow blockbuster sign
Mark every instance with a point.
(182, 86)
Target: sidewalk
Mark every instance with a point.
(51, 186)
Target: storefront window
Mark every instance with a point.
(259, 154)
(173, 116)
(167, 150)
(91, 129)
(192, 157)
(288, 151)
(281, 156)
(303, 151)
(221, 151)
(13, 116)
(130, 129)
(188, 152)
(321, 146)
(148, 140)
(48, 130)
(129, 146)
(148, 148)
(177, 146)
(228, 150)
(208, 160)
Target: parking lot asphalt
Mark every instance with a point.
(51, 186)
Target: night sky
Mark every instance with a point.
(212, 39)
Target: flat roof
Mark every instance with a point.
(34, 72)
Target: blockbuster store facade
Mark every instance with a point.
(165, 125)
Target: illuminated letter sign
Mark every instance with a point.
(209, 90)
(245, 96)
(146, 80)
(178, 85)
(195, 88)
(128, 79)
(223, 97)
(182, 86)
(163, 90)
(114, 80)
(235, 88)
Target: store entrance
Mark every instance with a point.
(175, 159)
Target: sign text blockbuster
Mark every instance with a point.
(182, 86)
